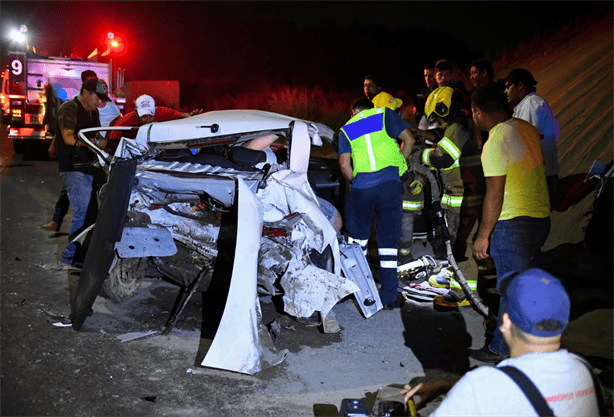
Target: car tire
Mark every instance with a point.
(125, 277)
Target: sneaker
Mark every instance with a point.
(396, 303)
(486, 355)
(454, 298)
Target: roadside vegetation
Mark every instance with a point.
(332, 108)
(308, 103)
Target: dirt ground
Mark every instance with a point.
(57, 371)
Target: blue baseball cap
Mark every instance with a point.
(536, 302)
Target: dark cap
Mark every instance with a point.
(521, 74)
(536, 302)
(97, 86)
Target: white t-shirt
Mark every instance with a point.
(559, 376)
(536, 111)
(108, 113)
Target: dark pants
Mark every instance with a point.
(515, 245)
(61, 207)
(552, 181)
(469, 216)
(385, 201)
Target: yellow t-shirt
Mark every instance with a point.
(383, 99)
(513, 150)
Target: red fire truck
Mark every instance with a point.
(33, 90)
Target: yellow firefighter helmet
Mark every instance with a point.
(444, 102)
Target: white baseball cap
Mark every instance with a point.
(145, 105)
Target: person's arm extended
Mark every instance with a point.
(427, 391)
(409, 141)
(261, 142)
(493, 201)
(70, 138)
(345, 164)
(192, 113)
(433, 135)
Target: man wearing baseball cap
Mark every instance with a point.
(98, 87)
(145, 111)
(145, 108)
(520, 87)
(77, 175)
(540, 378)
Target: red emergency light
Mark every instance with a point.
(114, 43)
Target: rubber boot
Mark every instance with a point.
(407, 239)
(439, 245)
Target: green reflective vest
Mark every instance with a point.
(372, 148)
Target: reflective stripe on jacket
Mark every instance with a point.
(458, 148)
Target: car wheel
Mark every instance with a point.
(125, 277)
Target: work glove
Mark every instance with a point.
(416, 186)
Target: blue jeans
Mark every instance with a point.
(515, 246)
(79, 188)
(386, 201)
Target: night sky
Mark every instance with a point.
(243, 45)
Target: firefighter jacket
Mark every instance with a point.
(372, 148)
(459, 148)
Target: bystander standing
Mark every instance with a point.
(516, 216)
(520, 87)
(73, 116)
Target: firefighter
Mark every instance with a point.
(458, 148)
(413, 205)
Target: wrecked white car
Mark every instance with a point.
(186, 202)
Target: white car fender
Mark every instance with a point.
(241, 342)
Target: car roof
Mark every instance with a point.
(218, 124)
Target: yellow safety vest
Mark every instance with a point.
(372, 148)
